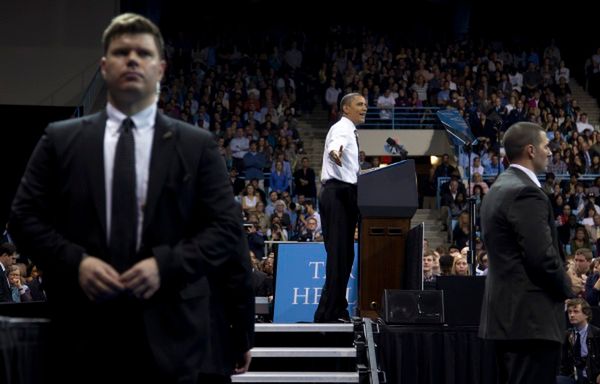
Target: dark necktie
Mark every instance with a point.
(123, 226)
(577, 346)
(577, 358)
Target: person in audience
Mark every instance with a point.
(311, 233)
(254, 162)
(460, 234)
(305, 180)
(579, 272)
(482, 263)
(428, 275)
(175, 287)
(525, 270)
(460, 267)
(279, 180)
(8, 256)
(362, 161)
(581, 240)
(445, 169)
(262, 218)
(261, 283)
(435, 266)
(478, 182)
(283, 218)
(448, 200)
(338, 207)
(239, 146)
(310, 212)
(256, 242)
(35, 283)
(446, 264)
(580, 360)
(250, 199)
(236, 183)
(19, 290)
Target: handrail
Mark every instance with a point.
(91, 92)
(541, 177)
(80, 76)
(402, 117)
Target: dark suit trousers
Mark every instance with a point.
(339, 215)
(527, 361)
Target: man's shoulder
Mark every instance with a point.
(76, 122)
(187, 131)
(343, 124)
(593, 331)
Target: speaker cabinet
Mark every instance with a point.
(412, 307)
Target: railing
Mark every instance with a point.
(402, 118)
(491, 178)
(71, 86)
(91, 93)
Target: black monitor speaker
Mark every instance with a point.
(463, 297)
(412, 307)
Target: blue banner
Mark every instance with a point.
(300, 278)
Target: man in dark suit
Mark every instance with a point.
(8, 256)
(580, 357)
(523, 305)
(131, 216)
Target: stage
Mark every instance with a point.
(406, 354)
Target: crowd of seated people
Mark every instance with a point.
(20, 281)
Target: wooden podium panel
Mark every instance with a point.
(382, 260)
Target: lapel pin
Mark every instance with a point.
(167, 135)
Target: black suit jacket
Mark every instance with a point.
(5, 292)
(592, 365)
(202, 317)
(526, 283)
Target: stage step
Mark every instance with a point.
(296, 377)
(303, 352)
(304, 327)
(283, 351)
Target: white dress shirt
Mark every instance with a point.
(528, 172)
(143, 133)
(342, 133)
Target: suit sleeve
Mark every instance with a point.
(32, 212)
(217, 248)
(592, 295)
(528, 214)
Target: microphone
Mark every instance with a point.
(394, 148)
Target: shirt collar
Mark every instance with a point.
(528, 172)
(583, 330)
(144, 119)
(348, 121)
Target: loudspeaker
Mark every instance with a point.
(463, 297)
(412, 307)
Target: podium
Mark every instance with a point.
(387, 200)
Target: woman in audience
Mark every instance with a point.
(477, 181)
(460, 267)
(20, 291)
(581, 240)
(250, 199)
(279, 181)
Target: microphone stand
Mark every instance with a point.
(472, 203)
